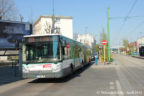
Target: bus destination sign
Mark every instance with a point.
(41, 39)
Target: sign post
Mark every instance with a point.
(104, 42)
(109, 58)
(104, 53)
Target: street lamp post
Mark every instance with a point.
(53, 18)
(119, 46)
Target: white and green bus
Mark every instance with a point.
(52, 56)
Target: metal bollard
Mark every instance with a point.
(115, 62)
(15, 68)
(96, 61)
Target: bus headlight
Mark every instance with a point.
(56, 67)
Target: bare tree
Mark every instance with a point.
(7, 10)
(125, 43)
(48, 28)
(103, 35)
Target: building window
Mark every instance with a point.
(57, 19)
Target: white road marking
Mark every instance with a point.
(111, 83)
(112, 87)
(124, 80)
(119, 89)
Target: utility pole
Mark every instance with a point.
(104, 54)
(119, 46)
(53, 19)
(20, 51)
(20, 59)
(109, 57)
(86, 28)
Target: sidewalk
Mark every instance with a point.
(102, 64)
(9, 74)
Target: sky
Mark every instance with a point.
(90, 16)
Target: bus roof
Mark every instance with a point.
(41, 35)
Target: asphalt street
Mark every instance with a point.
(124, 77)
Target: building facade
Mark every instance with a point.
(134, 46)
(63, 26)
(86, 39)
(140, 42)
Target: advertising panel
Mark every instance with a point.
(13, 32)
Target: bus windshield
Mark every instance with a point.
(42, 52)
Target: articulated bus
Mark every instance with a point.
(52, 56)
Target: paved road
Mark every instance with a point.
(124, 79)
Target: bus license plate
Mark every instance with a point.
(40, 76)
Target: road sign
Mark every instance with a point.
(104, 42)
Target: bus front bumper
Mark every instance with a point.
(43, 74)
